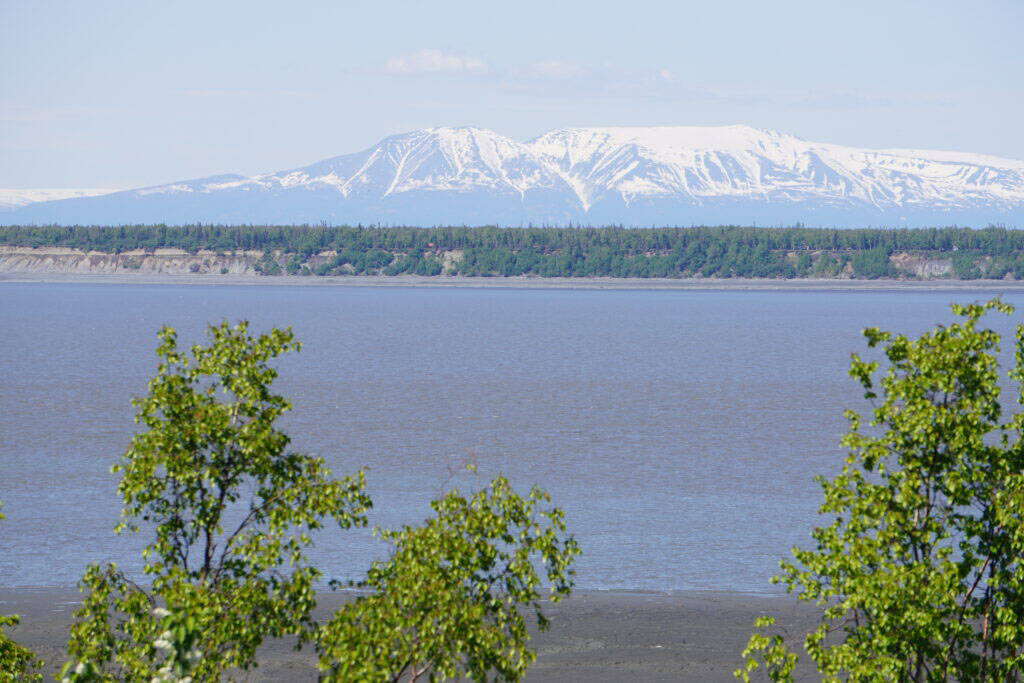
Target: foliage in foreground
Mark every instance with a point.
(16, 661)
(230, 508)
(231, 511)
(447, 602)
(919, 573)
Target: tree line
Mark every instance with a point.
(308, 240)
(727, 251)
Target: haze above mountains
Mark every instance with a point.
(579, 176)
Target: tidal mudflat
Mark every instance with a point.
(594, 635)
(680, 430)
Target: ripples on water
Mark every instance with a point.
(679, 430)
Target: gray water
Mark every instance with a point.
(680, 431)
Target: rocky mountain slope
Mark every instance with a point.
(596, 176)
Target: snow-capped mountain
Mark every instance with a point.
(597, 176)
(746, 175)
(12, 199)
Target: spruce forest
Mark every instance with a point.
(721, 252)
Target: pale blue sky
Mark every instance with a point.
(123, 94)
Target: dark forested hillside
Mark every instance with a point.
(566, 252)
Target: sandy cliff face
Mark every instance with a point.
(203, 262)
(160, 261)
(924, 267)
(164, 261)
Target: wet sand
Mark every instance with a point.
(594, 635)
(520, 282)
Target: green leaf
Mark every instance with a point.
(209, 448)
(918, 571)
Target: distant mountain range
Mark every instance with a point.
(12, 199)
(589, 176)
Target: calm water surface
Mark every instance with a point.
(679, 430)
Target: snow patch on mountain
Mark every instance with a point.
(11, 199)
(677, 175)
(743, 162)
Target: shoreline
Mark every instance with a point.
(594, 635)
(520, 282)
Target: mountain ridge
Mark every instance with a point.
(668, 175)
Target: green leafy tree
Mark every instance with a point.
(919, 571)
(230, 508)
(16, 661)
(826, 266)
(965, 265)
(180, 639)
(447, 603)
(803, 264)
(873, 263)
